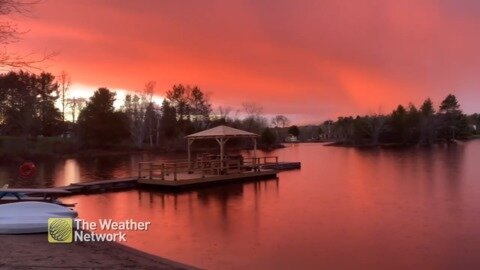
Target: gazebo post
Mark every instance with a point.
(221, 141)
(254, 153)
(189, 142)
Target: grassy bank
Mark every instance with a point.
(19, 149)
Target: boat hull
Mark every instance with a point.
(30, 217)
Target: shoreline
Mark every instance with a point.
(33, 251)
(87, 153)
(396, 145)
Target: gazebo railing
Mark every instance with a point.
(180, 169)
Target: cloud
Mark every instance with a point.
(308, 59)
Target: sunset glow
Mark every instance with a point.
(309, 60)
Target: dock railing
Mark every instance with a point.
(174, 170)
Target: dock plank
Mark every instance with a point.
(197, 180)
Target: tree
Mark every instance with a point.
(327, 128)
(268, 137)
(450, 105)
(200, 107)
(253, 121)
(64, 82)
(412, 122)
(99, 124)
(139, 109)
(294, 130)
(252, 108)
(376, 126)
(398, 120)
(9, 33)
(427, 108)
(27, 104)
(191, 106)
(168, 120)
(76, 105)
(178, 98)
(453, 123)
(280, 121)
(427, 123)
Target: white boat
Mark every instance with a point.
(30, 217)
(11, 195)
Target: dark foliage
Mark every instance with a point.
(268, 138)
(99, 124)
(405, 126)
(27, 105)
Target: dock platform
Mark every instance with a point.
(181, 175)
(197, 180)
(282, 166)
(101, 186)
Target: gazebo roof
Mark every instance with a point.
(221, 132)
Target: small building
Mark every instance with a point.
(291, 138)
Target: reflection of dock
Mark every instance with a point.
(186, 180)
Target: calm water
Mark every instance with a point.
(345, 209)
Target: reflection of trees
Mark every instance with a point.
(452, 159)
(107, 167)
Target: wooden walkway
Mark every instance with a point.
(282, 166)
(188, 181)
(197, 180)
(178, 175)
(101, 186)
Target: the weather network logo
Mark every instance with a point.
(60, 230)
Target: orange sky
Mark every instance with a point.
(309, 60)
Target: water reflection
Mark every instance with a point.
(53, 173)
(379, 208)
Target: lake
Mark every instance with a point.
(345, 209)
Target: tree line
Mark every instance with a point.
(28, 110)
(405, 126)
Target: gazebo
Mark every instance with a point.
(221, 134)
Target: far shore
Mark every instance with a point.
(33, 251)
(396, 145)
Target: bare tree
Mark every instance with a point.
(224, 112)
(136, 106)
(76, 105)
(280, 121)
(10, 33)
(252, 109)
(254, 121)
(148, 90)
(64, 81)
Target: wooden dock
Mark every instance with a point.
(190, 181)
(282, 166)
(181, 175)
(101, 186)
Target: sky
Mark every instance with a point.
(309, 60)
